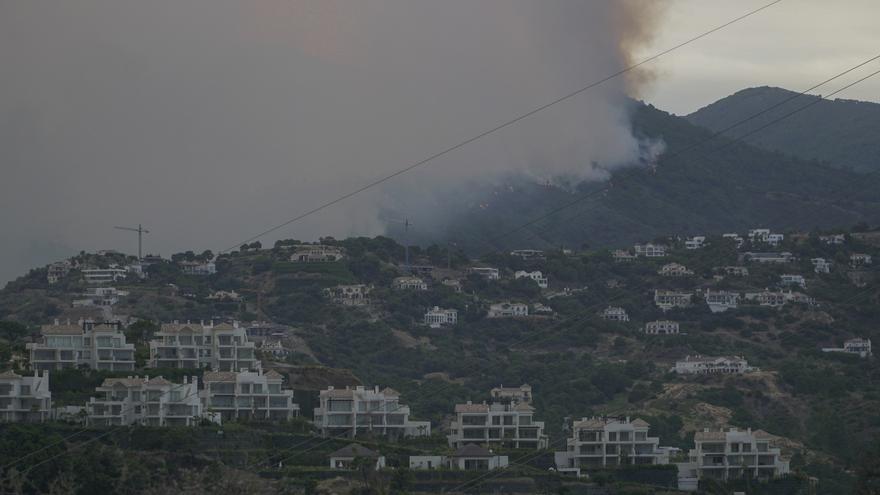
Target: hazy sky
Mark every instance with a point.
(211, 120)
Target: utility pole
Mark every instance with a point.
(140, 232)
(406, 225)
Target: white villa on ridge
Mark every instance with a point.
(721, 301)
(221, 347)
(248, 395)
(858, 346)
(508, 310)
(650, 250)
(675, 270)
(614, 313)
(486, 272)
(409, 283)
(25, 399)
(198, 268)
(731, 454)
(668, 299)
(523, 393)
(100, 346)
(699, 365)
(695, 242)
(349, 411)
(662, 327)
(145, 401)
(349, 295)
(316, 253)
(596, 443)
(536, 275)
(438, 317)
(94, 276)
(765, 236)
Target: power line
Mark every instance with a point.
(499, 127)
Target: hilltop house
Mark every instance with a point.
(523, 393)
(821, 265)
(699, 365)
(95, 276)
(316, 253)
(695, 242)
(662, 327)
(621, 256)
(793, 280)
(596, 443)
(25, 399)
(765, 236)
(721, 301)
(57, 271)
(198, 268)
(650, 250)
(349, 295)
(437, 317)
(100, 346)
(732, 454)
(221, 347)
(409, 283)
(350, 411)
(145, 401)
(614, 313)
(509, 423)
(858, 346)
(674, 270)
(508, 310)
(344, 457)
(248, 395)
(537, 276)
(528, 254)
(668, 299)
(486, 272)
(833, 239)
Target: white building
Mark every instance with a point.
(97, 276)
(597, 443)
(736, 238)
(650, 250)
(734, 271)
(536, 275)
(523, 393)
(821, 265)
(99, 346)
(145, 401)
(468, 457)
(409, 283)
(793, 280)
(25, 399)
(509, 424)
(198, 268)
(695, 242)
(57, 271)
(344, 457)
(221, 347)
(730, 455)
(316, 253)
(860, 259)
(674, 270)
(765, 236)
(668, 299)
(486, 272)
(767, 298)
(614, 313)
(721, 301)
(508, 310)
(859, 346)
(621, 256)
(528, 254)
(833, 239)
(699, 365)
(453, 284)
(438, 317)
(783, 257)
(351, 411)
(349, 295)
(248, 395)
(225, 296)
(662, 327)
(99, 297)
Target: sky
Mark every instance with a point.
(209, 121)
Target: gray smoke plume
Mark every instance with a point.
(210, 120)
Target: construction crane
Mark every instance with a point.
(140, 232)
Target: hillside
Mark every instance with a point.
(842, 133)
(700, 191)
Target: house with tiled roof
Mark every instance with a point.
(507, 421)
(25, 399)
(248, 395)
(350, 411)
(99, 346)
(224, 347)
(145, 401)
(732, 454)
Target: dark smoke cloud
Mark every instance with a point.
(209, 120)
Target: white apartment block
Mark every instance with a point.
(438, 317)
(669, 299)
(614, 313)
(523, 393)
(733, 454)
(662, 327)
(508, 310)
(351, 411)
(783, 257)
(721, 301)
(858, 346)
(695, 242)
(650, 250)
(528, 254)
(409, 283)
(221, 347)
(621, 256)
(596, 443)
(821, 265)
(145, 401)
(97, 276)
(486, 272)
(316, 253)
(536, 275)
(736, 238)
(25, 399)
(765, 236)
(734, 271)
(248, 395)
(793, 280)
(767, 298)
(502, 424)
(100, 346)
(675, 270)
(699, 365)
(349, 295)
